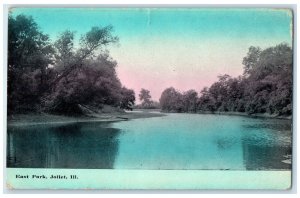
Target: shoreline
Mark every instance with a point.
(232, 113)
(44, 118)
(255, 115)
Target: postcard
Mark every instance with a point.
(149, 98)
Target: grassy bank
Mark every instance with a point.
(42, 118)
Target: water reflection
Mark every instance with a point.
(274, 124)
(258, 157)
(176, 141)
(77, 145)
(268, 150)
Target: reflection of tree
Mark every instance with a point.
(79, 145)
(259, 157)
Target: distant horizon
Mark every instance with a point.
(170, 47)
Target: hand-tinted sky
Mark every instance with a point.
(183, 48)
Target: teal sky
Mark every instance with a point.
(185, 48)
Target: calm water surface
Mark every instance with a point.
(175, 141)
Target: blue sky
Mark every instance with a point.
(185, 48)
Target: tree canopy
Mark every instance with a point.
(264, 87)
(57, 76)
(30, 53)
(145, 97)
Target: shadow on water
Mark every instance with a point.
(273, 126)
(270, 150)
(76, 145)
(257, 157)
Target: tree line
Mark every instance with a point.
(264, 87)
(65, 77)
(62, 76)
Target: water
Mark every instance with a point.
(175, 141)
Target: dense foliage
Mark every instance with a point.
(146, 99)
(61, 78)
(265, 87)
(56, 76)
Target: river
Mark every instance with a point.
(175, 141)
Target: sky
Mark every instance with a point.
(186, 48)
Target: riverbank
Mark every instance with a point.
(255, 115)
(44, 118)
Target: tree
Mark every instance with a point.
(91, 42)
(29, 56)
(145, 97)
(190, 99)
(64, 48)
(251, 60)
(269, 84)
(82, 77)
(95, 83)
(171, 100)
(128, 98)
(206, 102)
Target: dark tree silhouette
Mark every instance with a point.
(57, 77)
(145, 97)
(265, 87)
